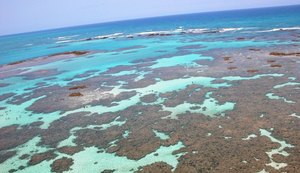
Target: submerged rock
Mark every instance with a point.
(78, 94)
(77, 87)
(285, 54)
(252, 71)
(61, 165)
(77, 53)
(38, 158)
(276, 65)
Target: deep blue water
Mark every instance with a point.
(30, 45)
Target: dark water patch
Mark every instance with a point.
(156, 167)
(43, 60)
(70, 150)
(129, 48)
(34, 94)
(12, 136)
(5, 155)
(119, 68)
(83, 75)
(59, 130)
(108, 171)
(10, 73)
(37, 86)
(254, 49)
(2, 85)
(24, 157)
(40, 157)
(40, 74)
(6, 96)
(197, 47)
(150, 98)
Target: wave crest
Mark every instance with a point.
(281, 29)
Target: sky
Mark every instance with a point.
(18, 16)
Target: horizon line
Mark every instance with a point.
(149, 17)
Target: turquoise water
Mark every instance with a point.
(162, 59)
(29, 45)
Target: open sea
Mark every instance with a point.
(206, 92)
(35, 44)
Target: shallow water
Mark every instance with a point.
(187, 92)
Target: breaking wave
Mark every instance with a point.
(281, 29)
(165, 33)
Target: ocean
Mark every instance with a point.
(35, 44)
(207, 92)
